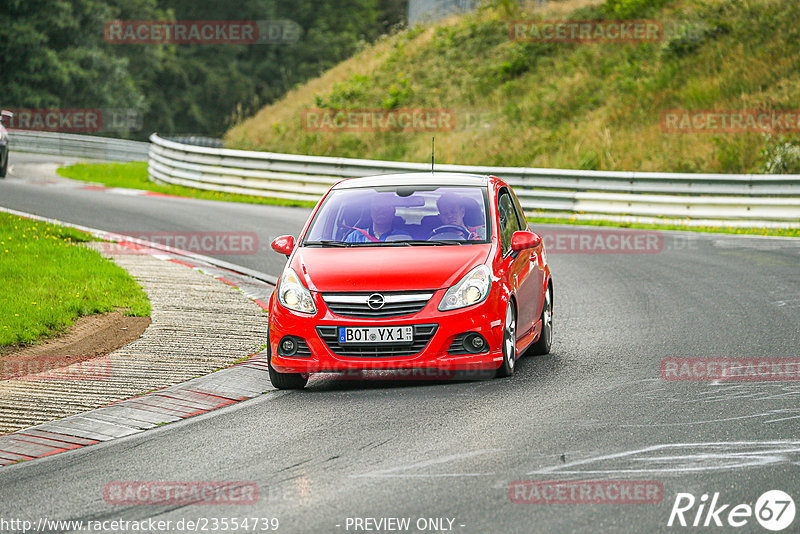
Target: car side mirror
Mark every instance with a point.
(524, 240)
(283, 244)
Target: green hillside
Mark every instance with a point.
(563, 105)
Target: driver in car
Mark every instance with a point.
(382, 211)
(451, 213)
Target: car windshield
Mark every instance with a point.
(401, 216)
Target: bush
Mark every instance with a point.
(780, 156)
(687, 38)
(631, 9)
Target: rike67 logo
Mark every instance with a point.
(774, 510)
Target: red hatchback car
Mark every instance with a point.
(410, 271)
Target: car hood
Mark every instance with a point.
(386, 268)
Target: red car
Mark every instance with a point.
(427, 271)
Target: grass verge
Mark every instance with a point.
(50, 279)
(133, 175)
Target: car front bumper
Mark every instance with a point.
(485, 318)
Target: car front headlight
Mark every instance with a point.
(471, 289)
(293, 294)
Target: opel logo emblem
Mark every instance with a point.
(375, 301)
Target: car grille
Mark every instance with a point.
(422, 335)
(395, 304)
(457, 346)
(302, 348)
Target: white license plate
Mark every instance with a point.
(376, 334)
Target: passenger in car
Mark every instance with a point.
(382, 228)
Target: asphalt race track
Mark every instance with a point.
(443, 454)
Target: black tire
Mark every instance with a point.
(509, 343)
(545, 341)
(4, 167)
(284, 380)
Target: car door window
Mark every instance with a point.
(523, 221)
(509, 222)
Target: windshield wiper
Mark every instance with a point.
(328, 243)
(423, 242)
(411, 243)
(447, 242)
(408, 243)
(401, 243)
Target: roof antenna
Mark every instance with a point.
(433, 141)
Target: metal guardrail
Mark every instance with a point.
(198, 140)
(422, 11)
(681, 195)
(774, 198)
(79, 146)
